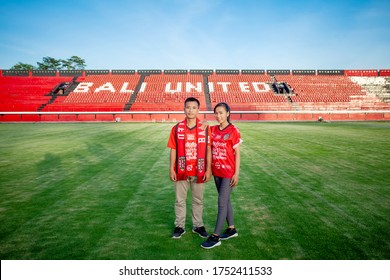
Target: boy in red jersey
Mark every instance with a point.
(190, 166)
(226, 140)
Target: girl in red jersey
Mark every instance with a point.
(225, 165)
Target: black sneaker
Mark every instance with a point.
(201, 231)
(178, 232)
(211, 242)
(229, 233)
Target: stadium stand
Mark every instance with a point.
(325, 92)
(97, 93)
(165, 91)
(27, 93)
(377, 92)
(246, 92)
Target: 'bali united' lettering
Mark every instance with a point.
(85, 87)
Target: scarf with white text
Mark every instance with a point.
(201, 140)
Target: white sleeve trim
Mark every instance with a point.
(235, 146)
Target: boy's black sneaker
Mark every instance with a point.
(178, 232)
(211, 242)
(229, 233)
(201, 231)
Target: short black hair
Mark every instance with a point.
(191, 99)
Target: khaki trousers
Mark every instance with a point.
(197, 190)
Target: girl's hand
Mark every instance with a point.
(205, 124)
(207, 176)
(234, 181)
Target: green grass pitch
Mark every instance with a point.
(102, 191)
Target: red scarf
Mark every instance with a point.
(201, 139)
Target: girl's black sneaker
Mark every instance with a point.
(229, 233)
(211, 242)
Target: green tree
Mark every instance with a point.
(22, 66)
(66, 64)
(73, 63)
(77, 62)
(49, 63)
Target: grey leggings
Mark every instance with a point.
(225, 210)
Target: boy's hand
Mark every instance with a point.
(172, 175)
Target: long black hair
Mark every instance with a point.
(226, 106)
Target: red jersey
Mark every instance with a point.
(224, 142)
(191, 150)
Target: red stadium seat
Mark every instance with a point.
(167, 92)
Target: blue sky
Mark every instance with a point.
(198, 34)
